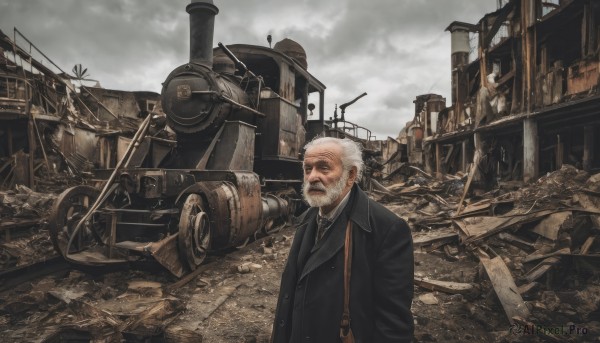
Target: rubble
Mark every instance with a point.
(533, 261)
(536, 246)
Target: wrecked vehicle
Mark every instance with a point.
(233, 171)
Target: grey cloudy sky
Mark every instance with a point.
(392, 49)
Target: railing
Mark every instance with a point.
(355, 130)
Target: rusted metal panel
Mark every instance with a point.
(549, 88)
(582, 77)
(391, 154)
(288, 130)
(235, 151)
(287, 82)
(107, 102)
(269, 128)
(235, 205)
(282, 133)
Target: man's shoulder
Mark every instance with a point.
(379, 211)
(384, 219)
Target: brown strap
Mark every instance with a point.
(345, 331)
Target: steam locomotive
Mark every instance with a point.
(240, 113)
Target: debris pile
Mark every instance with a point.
(24, 203)
(534, 253)
(494, 267)
(22, 240)
(231, 298)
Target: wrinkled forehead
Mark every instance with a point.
(329, 152)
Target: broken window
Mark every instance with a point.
(549, 6)
(501, 35)
(3, 88)
(12, 88)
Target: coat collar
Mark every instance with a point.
(357, 211)
(361, 209)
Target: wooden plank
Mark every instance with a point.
(550, 226)
(480, 206)
(505, 288)
(438, 161)
(585, 248)
(211, 307)
(528, 287)
(18, 223)
(516, 241)
(191, 276)
(434, 237)
(477, 228)
(444, 286)
(542, 268)
(537, 256)
(467, 185)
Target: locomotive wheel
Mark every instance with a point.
(194, 232)
(68, 209)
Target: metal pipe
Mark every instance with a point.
(274, 207)
(202, 26)
(231, 101)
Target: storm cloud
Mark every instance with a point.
(392, 49)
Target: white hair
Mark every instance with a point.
(351, 152)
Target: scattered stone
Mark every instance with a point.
(428, 299)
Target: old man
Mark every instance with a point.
(316, 303)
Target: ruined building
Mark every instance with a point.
(524, 94)
(51, 124)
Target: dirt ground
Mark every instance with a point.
(234, 298)
(226, 303)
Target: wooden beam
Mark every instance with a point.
(32, 148)
(466, 189)
(445, 286)
(505, 288)
(588, 147)
(9, 140)
(438, 161)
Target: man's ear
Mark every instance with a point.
(351, 176)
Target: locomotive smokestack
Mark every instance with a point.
(202, 26)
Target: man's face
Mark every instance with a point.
(324, 177)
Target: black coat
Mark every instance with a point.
(310, 304)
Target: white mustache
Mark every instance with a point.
(317, 187)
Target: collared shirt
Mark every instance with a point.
(333, 214)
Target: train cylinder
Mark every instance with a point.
(274, 207)
(202, 26)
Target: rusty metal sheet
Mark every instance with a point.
(166, 253)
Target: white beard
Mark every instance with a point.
(331, 194)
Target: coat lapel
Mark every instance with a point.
(328, 246)
(308, 239)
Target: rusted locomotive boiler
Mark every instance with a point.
(240, 114)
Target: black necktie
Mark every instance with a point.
(322, 224)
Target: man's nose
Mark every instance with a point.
(313, 176)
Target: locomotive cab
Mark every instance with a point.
(281, 135)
